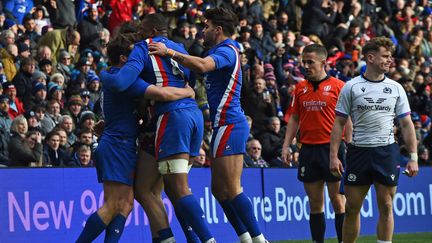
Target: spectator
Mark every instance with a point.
(24, 78)
(201, 160)
(182, 35)
(40, 17)
(30, 30)
(15, 105)
(18, 8)
(82, 158)
(61, 13)
(46, 67)
(8, 60)
(24, 148)
(38, 97)
(53, 155)
(5, 120)
(253, 157)
(258, 104)
(94, 88)
(32, 121)
(44, 53)
(90, 29)
(59, 80)
(262, 42)
(74, 107)
(66, 123)
(60, 39)
(272, 140)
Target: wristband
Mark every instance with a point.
(171, 53)
(413, 156)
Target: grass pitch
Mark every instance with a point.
(398, 238)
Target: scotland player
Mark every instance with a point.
(372, 101)
(231, 130)
(180, 124)
(116, 152)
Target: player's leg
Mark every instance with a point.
(228, 146)
(354, 201)
(386, 176)
(317, 224)
(385, 196)
(147, 189)
(338, 203)
(118, 202)
(334, 189)
(174, 133)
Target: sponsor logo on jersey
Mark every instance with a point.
(363, 89)
(373, 108)
(314, 105)
(305, 90)
(327, 88)
(371, 100)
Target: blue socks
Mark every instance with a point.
(317, 226)
(188, 208)
(190, 235)
(115, 229)
(243, 207)
(166, 235)
(233, 218)
(93, 228)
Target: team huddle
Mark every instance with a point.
(147, 65)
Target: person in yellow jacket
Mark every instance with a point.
(8, 55)
(60, 39)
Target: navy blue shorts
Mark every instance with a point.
(314, 162)
(229, 139)
(179, 131)
(366, 165)
(116, 160)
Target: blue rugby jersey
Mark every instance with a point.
(224, 84)
(157, 70)
(119, 107)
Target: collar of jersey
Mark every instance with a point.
(373, 81)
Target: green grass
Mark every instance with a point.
(399, 238)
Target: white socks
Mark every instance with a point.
(169, 240)
(259, 239)
(383, 241)
(245, 238)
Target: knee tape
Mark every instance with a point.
(173, 166)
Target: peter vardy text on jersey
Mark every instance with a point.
(373, 108)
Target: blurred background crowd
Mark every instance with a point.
(53, 50)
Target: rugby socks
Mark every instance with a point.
(92, 229)
(233, 218)
(115, 229)
(194, 215)
(166, 236)
(339, 218)
(243, 207)
(156, 240)
(317, 226)
(383, 241)
(190, 235)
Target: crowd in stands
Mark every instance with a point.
(52, 52)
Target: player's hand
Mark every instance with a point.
(191, 91)
(98, 128)
(412, 168)
(286, 156)
(157, 48)
(336, 167)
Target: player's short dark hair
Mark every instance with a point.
(156, 21)
(375, 43)
(316, 48)
(121, 45)
(224, 18)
